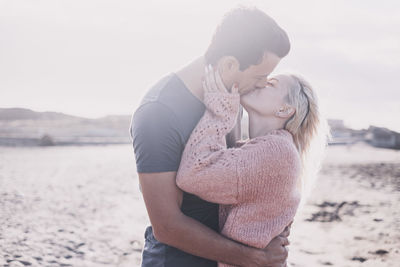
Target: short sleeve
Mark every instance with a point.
(156, 138)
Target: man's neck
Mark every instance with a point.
(192, 75)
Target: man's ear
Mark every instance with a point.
(229, 68)
(228, 64)
(285, 112)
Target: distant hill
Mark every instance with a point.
(19, 126)
(27, 114)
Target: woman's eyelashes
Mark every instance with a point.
(273, 82)
(270, 84)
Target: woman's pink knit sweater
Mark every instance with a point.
(255, 183)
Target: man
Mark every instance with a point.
(245, 49)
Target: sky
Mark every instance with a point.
(93, 58)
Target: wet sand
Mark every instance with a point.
(81, 206)
(69, 206)
(353, 216)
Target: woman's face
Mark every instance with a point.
(268, 100)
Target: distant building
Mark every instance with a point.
(336, 124)
(341, 135)
(382, 137)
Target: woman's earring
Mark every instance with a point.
(280, 111)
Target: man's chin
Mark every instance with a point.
(245, 107)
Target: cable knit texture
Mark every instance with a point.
(254, 183)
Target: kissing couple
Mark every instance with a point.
(214, 199)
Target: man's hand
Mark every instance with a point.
(275, 253)
(284, 241)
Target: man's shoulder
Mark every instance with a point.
(154, 114)
(169, 91)
(160, 88)
(157, 130)
(170, 97)
(155, 104)
(152, 109)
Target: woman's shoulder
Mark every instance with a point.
(278, 137)
(274, 153)
(280, 133)
(277, 142)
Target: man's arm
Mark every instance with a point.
(170, 226)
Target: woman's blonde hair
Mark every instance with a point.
(304, 123)
(309, 129)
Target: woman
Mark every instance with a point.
(258, 183)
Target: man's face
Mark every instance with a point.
(255, 76)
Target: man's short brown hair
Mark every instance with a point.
(246, 34)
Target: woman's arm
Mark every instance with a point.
(208, 168)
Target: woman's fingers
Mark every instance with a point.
(211, 79)
(207, 79)
(235, 89)
(213, 82)
(219, 82)
(205, 88)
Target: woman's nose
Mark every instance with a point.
(262, 83)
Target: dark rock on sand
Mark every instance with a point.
(360, 259)
(381, 252)
(333, 211)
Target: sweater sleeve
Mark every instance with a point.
(208, 167)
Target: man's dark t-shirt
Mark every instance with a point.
(160, 129)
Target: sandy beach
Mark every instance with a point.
(81, 206)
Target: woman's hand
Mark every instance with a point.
(218, 101)
(212, 82)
